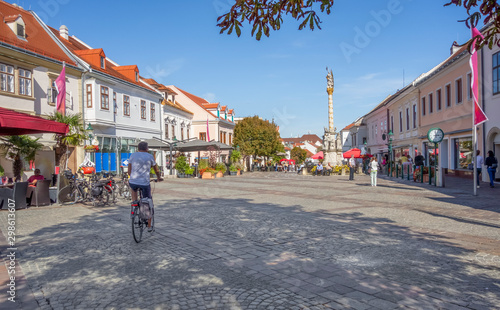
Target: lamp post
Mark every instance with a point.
(390, 134)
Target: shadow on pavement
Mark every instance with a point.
(224, 253)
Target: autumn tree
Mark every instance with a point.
(257, 137)
(266, 15)
(298, 154)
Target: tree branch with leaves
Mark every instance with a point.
(267, 15)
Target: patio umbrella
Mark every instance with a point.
(318, 155)
(14, 123)
(356, 152)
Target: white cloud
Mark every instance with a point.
(161, 71)
(210, 97)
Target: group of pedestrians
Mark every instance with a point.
(373, 168)
(491, 164)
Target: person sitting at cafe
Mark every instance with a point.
(35, 178)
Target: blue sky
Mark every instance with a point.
(367, 43)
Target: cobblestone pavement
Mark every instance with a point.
(269, 241)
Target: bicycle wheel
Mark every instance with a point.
(137, 226)
(125, 192)
(65, 195)
(76, 196)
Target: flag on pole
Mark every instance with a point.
(61, 91)
(208, 132)
(478, 114)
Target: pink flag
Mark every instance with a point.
(478, 114)
(61, 91)
(208, 132)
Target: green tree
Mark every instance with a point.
(267, 15)
(298, 154)
(75, 136)
(19, 147)
(257, 137)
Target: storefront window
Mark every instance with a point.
(431, 155)
(463, 153)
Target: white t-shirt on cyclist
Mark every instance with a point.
(141, 167)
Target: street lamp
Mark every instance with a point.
(390, 134)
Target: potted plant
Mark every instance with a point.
(189, 172)
(220, 168)
(233, 170)
(181, 165)
(239, 168)
(207, 173)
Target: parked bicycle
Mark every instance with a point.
(78, 189)
(123, 187)
(142, 211)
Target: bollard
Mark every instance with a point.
(402, 172)
(421, 174)
(408, 174)
(430, 175)
(397, 171)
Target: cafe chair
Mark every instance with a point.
(18, 194)
(41, 195)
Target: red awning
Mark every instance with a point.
(14, 123)
(318, 155)
(356, 152)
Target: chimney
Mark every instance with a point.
(63, 31)
(454, 47)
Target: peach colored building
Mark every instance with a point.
(445, 101)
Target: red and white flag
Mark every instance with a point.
(61, 91)
(478, 113)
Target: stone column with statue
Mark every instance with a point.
(332, 146)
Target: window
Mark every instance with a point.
(152, 112)
(400, 121)
(375, 131)
(103, 63)
(143, 109)
(6, 78)
(392, 123)
(469, 88)
(225, 137)
(463, 153)
(104, 98)
(137, 77)
(24, 82)
(458, 89)
(414, 116)
(220, 136)
(423, 106)
(203, 136)
(438, 99)
(20, 30)
(230, 139)
(173, 132)
(407, 118)
(431, 104)
(115, 105)
(182, 134)
(89, 96)
(166, 132)
(496, 73)
(126, 105)
(448, 95)
(187, 137)
(52, 93)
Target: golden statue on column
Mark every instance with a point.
(332, 144)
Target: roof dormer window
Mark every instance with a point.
(17, 25)
(103, 62)
(20, 30)
(137, 76)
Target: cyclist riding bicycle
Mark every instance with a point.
(139, 167)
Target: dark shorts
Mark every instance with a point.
(146, 189)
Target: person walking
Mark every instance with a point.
(352, 166)
(492, 164)
(374, 170)
(479, 165)
(419, 160)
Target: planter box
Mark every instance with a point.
(233, 173)
(220, 174)
(207, 175)
(181, 175)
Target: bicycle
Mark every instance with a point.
(123, 187)
(100, 191)
(78, 190)
(139, 218)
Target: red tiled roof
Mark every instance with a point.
(223, 108)
(231, 111)
(175, 105)
(199, 101)
(88, 55)
(348, 127)
(211, 105)
(37, 39)
(312, 138)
